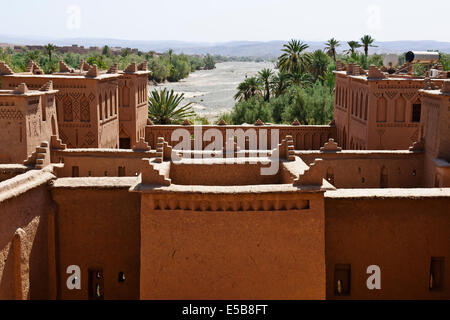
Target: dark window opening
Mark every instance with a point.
(342, 279)
(416, 110)
(75, 171)
(121, 171)
(122, 277)
(125, 143)
(96, 284)
(436, 274)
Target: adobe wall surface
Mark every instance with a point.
(366, 169)
(98, 227)
(81, 107)
(205, 253)
(398, 230)
(436, 135)
(100, 162)
(305, 137)
(376, 114)
(133, 97)
(26, 263)
(8, 171)
(26, 120)
(222, 174)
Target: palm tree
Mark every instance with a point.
(279, 83)
(330, 47)
(163, 107)
(367, 42)
(353, 46)
(265, 75)
(319, 64)
(302, 79)
(49, 48)
(293, 59)
(250, 87)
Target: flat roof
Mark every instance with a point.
(29, 93)
(389, 193)
(62, 76)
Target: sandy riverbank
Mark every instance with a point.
(212, 91)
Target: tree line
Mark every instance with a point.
(164, 67)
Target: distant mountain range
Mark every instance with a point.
(234, 48)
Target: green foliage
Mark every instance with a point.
(318, 64)
(303, 88)
(97, 59)
(247, 89)
(353, 46)
(168, 66)
(249, 111)
(226, 116)
(209, 62)
(199, 120)
(330, 48)
(367, 41)
(164, 107)
(265, 76)
(106, 51)
(180, 67)
(311, 105)
(314, 105)
(294, 59)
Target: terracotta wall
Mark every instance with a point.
(376, 114)
(222, 174)
(399, 234)
(98, 227)
(8, 171)
(232, 255)
(29, 211)
(99, 163)
(305, 137)
(364, 169)
(133, 110)
(78, 107)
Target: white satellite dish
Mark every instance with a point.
(390, 61)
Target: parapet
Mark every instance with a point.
(21, 89)
(93, 72)
(84, 66)
(355, 70)
(47, 86)
(114, 69)
(5, 69)
(33, 68)
(63, 67)
(330, 146)
(132, 68)
(143, 66)
(375, 73)
(340, 66)
(141, 145)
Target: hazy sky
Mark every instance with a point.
(227, 20)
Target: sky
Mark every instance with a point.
(227, 20)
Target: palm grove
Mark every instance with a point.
(302, 88)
